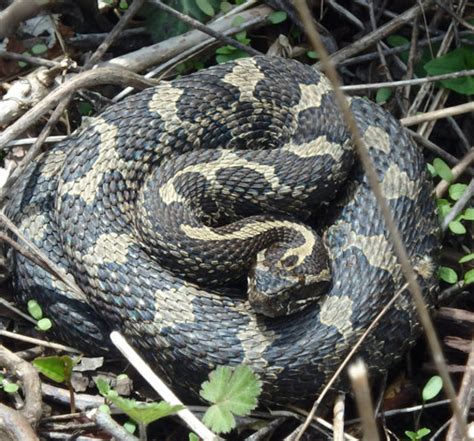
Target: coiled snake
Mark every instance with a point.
(259, 137)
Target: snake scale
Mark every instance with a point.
(266, 124)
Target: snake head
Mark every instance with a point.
(276, 286)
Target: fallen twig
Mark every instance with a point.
(29, 378)
(14, 426)
(360, 383)
(106, 423)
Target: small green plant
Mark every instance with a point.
(419, 434)
(233, 391)
(228, 53)
(432, 388)
(7, 386)
(34, 309)
(141, 413)
(58, 368)
(455, 191)
(277, 17)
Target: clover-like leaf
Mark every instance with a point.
(456, 191)
(448, 274)
(34, 309)
(432, 388)
(457, 227)
(277, 17)
(233, 391)
(467, 258)
(383, 95)
(10, 388)
(44, 324)
(469, 277)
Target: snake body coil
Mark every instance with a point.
(265, 125)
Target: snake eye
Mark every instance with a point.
(289, 262)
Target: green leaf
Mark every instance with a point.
(459, 59)
(123, 4)
(234, 55)
(469, 277)
(34, 309)
(10, 388)
(145, 413)
(130, 426)
(237, 21)
(466, 258)
(193, 437)
(277, 17)
(225, 50)
(206, 7)
(39, 49)
(448, 275)
(443, 170)
(421, 433)
(104, 408)
(383, 95)
(85, 108)
(468, 214)
(431, 169)
(411, 435)
(142, 413)
(313, 55)
(233, 391)
(457, 227)
(102, 386)
(444, 206)
(56, 368)
(456, 191)
(225, 7)
(397, 40)
(242, 37)
(432, 388)
(44, 324)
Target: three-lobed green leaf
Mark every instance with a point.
(234, 391)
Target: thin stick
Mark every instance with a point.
(114, 33)
(438, 114)
(95, 77)
(206, 29)
(37, 256)
(338, 419)
(30, 141)
(466, 392)
(381, 32)
(360, 383)
(37, 341)
(107, 424)
(14, 309)
(35, 148)
(160, 387)
(28, 59)
(411, 82)
(394, 233)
